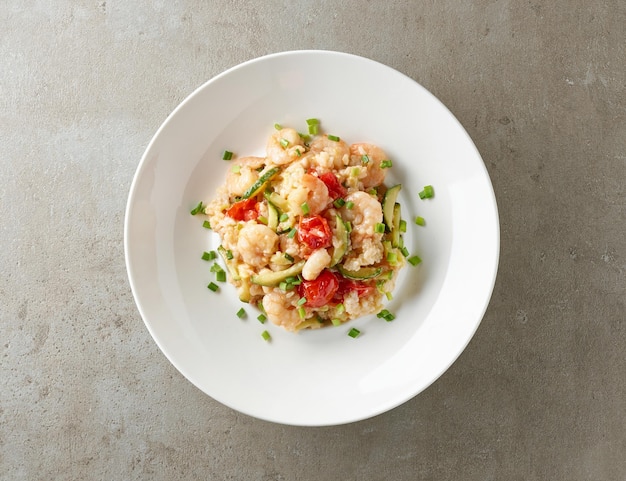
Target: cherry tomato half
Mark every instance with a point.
(346, 286)
(314, 232)
(320, 291)
(335, 189)
(243, 210)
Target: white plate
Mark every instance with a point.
(321, 377)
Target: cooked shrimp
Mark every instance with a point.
(365, 213)
(369, 157)
(330, 154)
(284, 146)
(280, 311)
(316, 263)
(256, 244)
(239, 179)
(312, 191)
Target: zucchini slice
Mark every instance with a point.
(271, 279)
(362, 274)
(259, 185)
(231, 265)
(272, 216)
(389, 201)
(344, 241)
(395, 226)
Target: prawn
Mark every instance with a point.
(312, 191)
(316, 263)
(284, 146)
(256, 244)
(245, 174)
(280, 311)
(369, 157)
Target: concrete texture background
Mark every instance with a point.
(540, 392)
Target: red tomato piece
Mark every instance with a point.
(346, 286)
(320, 291)
(243, 210)
(314, 232)
(335, 189)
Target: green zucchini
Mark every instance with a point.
(395, 226)
(362, 274)
(272, 216)
(389, 201)
(344, 241)
(259, 185)
(244, 290)
(271, 279)
(231, 265)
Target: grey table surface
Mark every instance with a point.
(539, 393)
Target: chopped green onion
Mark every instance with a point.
(382, 313)
(339, 203)
(312, 121)
(262, 318)
(229, 255)
(236, 169)
(305, 208)
(292, 233)
(389, 296)
(220, 276)
(392, 258)
(216, 268)
(197, 209)
(209, 256)
(298, 153)
(389, 317)
(278, 127)
(282, 286)
(314, 129)
(373, 191)
(379, 228)
(427, 193)
(385, 164)
(214, 287)
(301, 301)
(349, 205)
(305, 138)
(241, 313)
(340, 308)
(420, 221)
(227, 155)
(301, 312)
(365, 159)
(288, 257)
(405, 251)
(266, 335)
(402, 225)
(354, 332)
(206, 224)
(336, 322)
(284, 143)
(283, 217)
(334, 138)
(355, 171)
(414, 260)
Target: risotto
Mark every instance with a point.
(310, 232)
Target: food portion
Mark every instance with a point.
(310, 232)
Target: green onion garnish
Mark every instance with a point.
(365, 159)
(349, 204)
(402, 225)
(284, 143)
(420, 221)
(298, 153)
(305, 208)
(379, 228)
(209, 256)
(288, 257)
(373, 191)
(282, 286)
(229, 255)
(405, 251)
(312, 121)
(266, 335)
(427, 193)
(340, 308)
(334, 138)
(336, 322)
(389, 296)
(385, 164)
(414, 260)
(241, 313)
(216, 268)
(382, 313)
(292, 233)
(354, 332)
(220, 276)
(227, 155)
(392, 258)
(278, 127)
(236, 169)
(197, 209)
(214, 287)
(262, 318)
(355, 171)
(283, 217)
(206, 224)
(301, 301)
(301, 312)
(339, 203)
